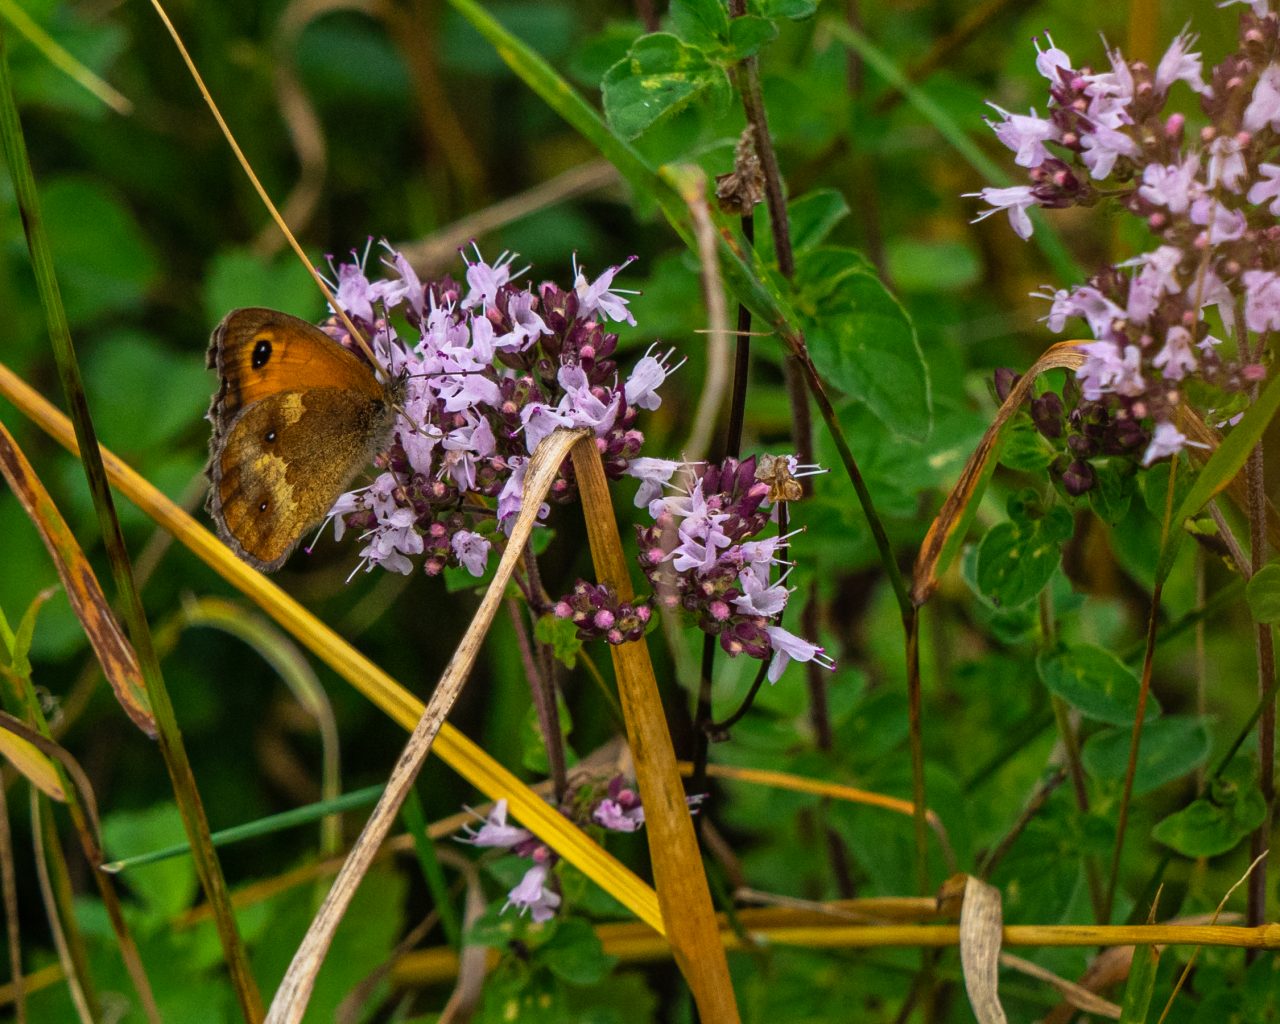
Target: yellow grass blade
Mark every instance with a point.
(455, 749)
(677, 863)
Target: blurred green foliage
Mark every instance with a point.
(157, 235)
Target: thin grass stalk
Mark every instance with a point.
(9, 887)
(436, 965)
(82, 807)
(296, 673)
(454, 748)
(1144, 691)
(57, 55)
(290, 1001)
(1266, 662)
(677, 865)
(170, 739)
(59, 908)
(415, 820)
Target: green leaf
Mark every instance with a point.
(701, 23)
(1017, 558)
(563, 637)
(574, 953)
(167, 887)
(1263, 594)
(1111, 494)
(1025, 448)
(812, 217)
(1216, 823)
(534, 752)
(794, 10)
(945, 265)
(1171, 748)
(1220, 470)
(177, 389)
(862, 340)
(104, 262)
(238, 277)
(659, 76)
(1094, 682)
(747, 35)
(1142, 982)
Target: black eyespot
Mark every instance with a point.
(271, 437)
(262, 507)
(261, 353)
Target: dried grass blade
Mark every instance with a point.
(9, 888)
(1075, 995)
(290, 1002)
(946, 531)
(455, 749)
(981, 927)
(115, 654)
(677, 865)
(78, 986)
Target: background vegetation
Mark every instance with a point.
(413, 129)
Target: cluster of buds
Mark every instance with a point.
(704, 553)
(614, 807)
(600, 614)
(1209, 198)
(488, 371)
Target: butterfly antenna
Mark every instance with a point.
(356, 336)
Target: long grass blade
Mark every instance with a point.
(171, 746)
(677, 865)
(73, 967)
(291, 998)
(9, 890)
(57, 55)
(455, 749)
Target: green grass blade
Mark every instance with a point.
(254, 829)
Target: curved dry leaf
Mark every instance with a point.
(33, 765)
(981, 931)
(114, 652)
(937, 549)
(678, 873)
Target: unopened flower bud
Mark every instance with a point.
(1078, 479)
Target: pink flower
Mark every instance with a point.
(1262, 300)
(1171, 185)
(1106, 370)
(642, 386)
(1052, 61)
(614, 816)
(599, 296)
(1103, 147)
(534, 895)
(485, 279)
(1025, 135)
(1177, 64)
(1167, 440)
(1264, 106)
(788, 647)
(1176, 358)
(472, 550)
(1226, 163)
(652, 474)
(1267, 188)
(1016, 200)
(495, 831)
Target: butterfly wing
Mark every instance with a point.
(295, 417)
(260, 352)
(282, 463)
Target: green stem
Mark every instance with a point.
(170, 739)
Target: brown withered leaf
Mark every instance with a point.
(115, 654)
(961, 501)
(981, 933)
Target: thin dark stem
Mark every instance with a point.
(747, 701)
(816, 676)
(701, 721)
(544, 703)
(1266, 674)
(741, 362)
(916, 735)
(1038, 799)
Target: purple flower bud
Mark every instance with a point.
(1078, 478)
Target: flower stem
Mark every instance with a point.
(1266, 673)
(544, 702)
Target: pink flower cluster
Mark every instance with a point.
(600, 614)
(613, 808)
(488, 372)
(1209, 198)
(702, 554)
